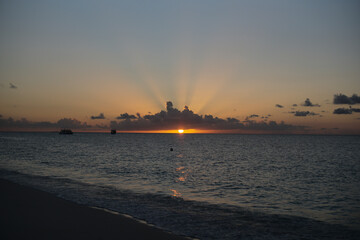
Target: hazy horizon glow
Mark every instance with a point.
(228, 59)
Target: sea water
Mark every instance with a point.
(211, 186)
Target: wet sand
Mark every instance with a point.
(27, 213)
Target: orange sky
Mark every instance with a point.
(220, 58)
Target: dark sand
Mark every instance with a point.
(27, 213)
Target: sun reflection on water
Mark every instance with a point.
(175, 193)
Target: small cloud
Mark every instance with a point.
(100, 116)
(294, 105)
(349, 110)
(343, 99)
(125, 116)
(304, 113)
(12, 86)
(342, 111)
(279, 106)
(308, 103)
(253, 116)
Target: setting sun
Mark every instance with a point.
(181, 131)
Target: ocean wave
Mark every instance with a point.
(185, 217)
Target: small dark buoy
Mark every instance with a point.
(171, 149)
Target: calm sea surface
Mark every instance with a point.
(210, 186)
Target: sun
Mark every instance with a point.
(181, 131)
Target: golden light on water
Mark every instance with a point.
(181, 131)
(175, 193)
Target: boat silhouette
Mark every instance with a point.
(65, 131)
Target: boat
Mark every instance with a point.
(65, 131)
(113, 131)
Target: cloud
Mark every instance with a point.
(343, 99)
(308, 103)
(173, 118)
(279, 106)
(304, 113)
(23, 123)
(253, 116)
(71, 123)
(346, 110)
(294, 105)
(342, 111)
(100, 116)
(12, 86)
(126, 116)
(170, 119)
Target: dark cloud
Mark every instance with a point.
(279, 106)
(294, 105)
(253, 116)
(71, 123)
(170, 119)
(343, 99)
(12, 86)
(173, 118)
(342, 111)
(23, 123)
(100, 116)
(304, 113)
(308, 103)
(346, 110)
(125, 116)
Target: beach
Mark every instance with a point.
(28, 213)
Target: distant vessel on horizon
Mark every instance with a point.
(65, 131)
(113, 131)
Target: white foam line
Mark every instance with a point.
(131, 217)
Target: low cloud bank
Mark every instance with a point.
(173, 118)
(170, 119)
(23, 123)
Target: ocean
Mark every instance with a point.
(211, 186)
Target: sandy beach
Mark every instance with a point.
(28, 213)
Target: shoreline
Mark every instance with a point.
(28, 213)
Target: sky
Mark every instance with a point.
(271, 66)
